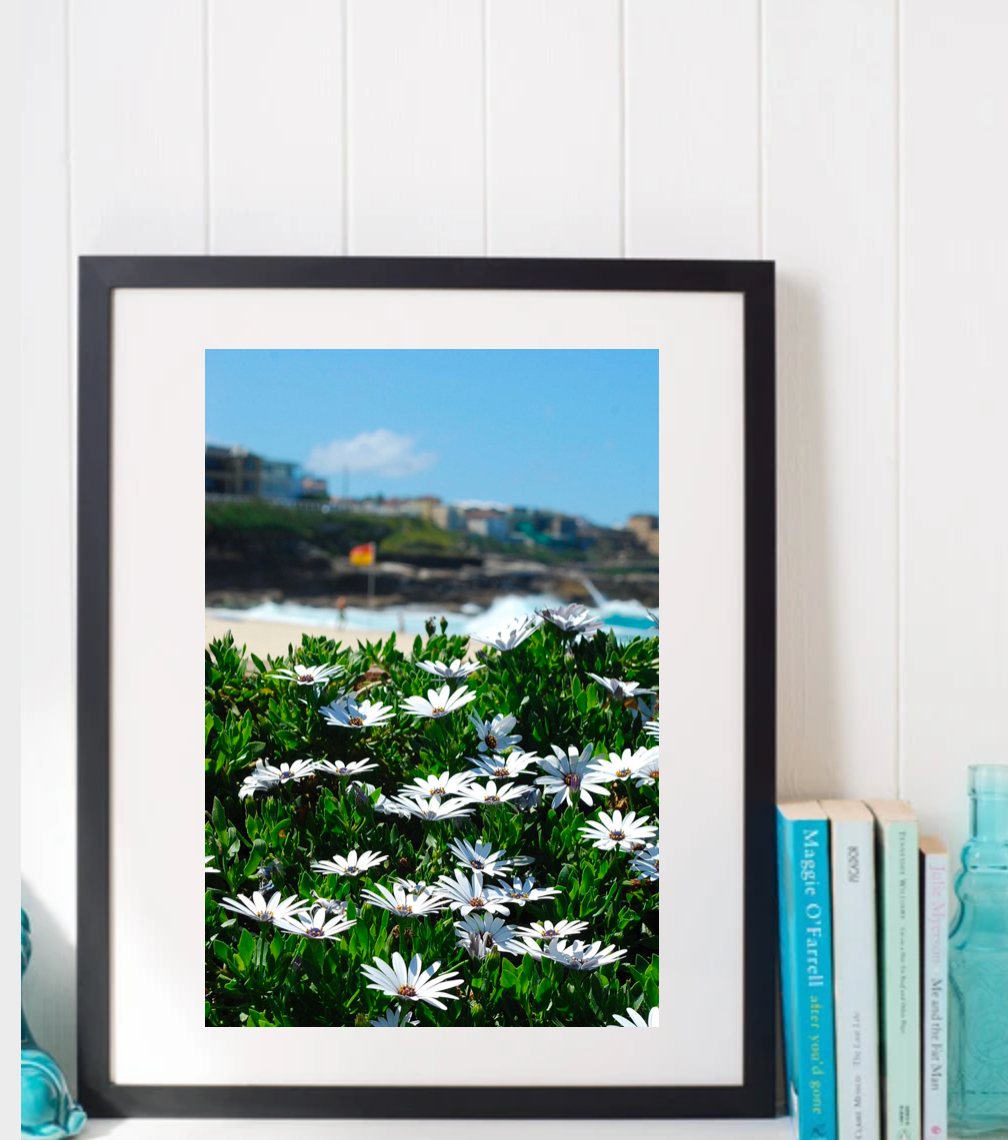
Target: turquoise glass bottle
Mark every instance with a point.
(978, 964)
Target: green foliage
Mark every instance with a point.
(236, 525)
(262, 976)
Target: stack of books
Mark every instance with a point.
(864, 971)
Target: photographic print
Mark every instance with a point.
(462, 538)
(432, 688)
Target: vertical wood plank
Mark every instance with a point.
(954, 691)
(830, 221)
(415, 127)
(276, 126)
(137, 124)
(48, 776)
(554, 123)
(692, 128)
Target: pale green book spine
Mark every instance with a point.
(899, 976)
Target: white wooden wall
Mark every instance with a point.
(859, 143)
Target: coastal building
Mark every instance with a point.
(238, 471)
(278, 480)
(447, 517)
(487, 524)
(644, 528)
(563, 530)
(311, 488)
(425, 505)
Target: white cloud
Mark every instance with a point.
(380, 452)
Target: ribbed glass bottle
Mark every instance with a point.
(978, 964)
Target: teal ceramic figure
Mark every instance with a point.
(47, 1108)
(978, 964)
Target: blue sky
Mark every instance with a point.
(572, 430)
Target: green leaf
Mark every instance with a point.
(246, 945)
(510, 977)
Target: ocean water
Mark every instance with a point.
(626, 619)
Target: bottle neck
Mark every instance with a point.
(989, 818)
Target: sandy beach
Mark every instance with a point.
(273, 637)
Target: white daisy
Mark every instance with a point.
(440, 702)
(647, 767)
(480, 856)
(620, 690)
(492, 796)
(531, 800)
(521, 892)
(353, 864)
(364, 794)
(574, 619)
(331, 906)
(394, 1019)
(616, 832)
(262, 911)
(651, 728)
(402, 902)
(347, 713)
(353, 768)
(413, 983)
(645, 864)
(433, 809)
(266, 776)
(617, 767)
(309, 674)
(548, 930)
(503, 767)
(578, 955)
(495, 734)
(570, 773)
(513, 633)
(317, 925)
(207, 869)
(444, 785)
(465, 895)
(633, 1019)
(413, 886)
(454, 671)
(481, 934)
(644, 708)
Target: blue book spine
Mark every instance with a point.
(806, 930)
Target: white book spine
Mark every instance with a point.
(934, 972)
(856, 979)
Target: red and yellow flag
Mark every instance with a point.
(363, 555)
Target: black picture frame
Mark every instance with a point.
(99, 277)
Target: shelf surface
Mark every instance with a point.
(488, 1129)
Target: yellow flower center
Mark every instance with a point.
(491, 741)
(407, 991)
(356, 721)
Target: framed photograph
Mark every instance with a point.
(444, 642)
